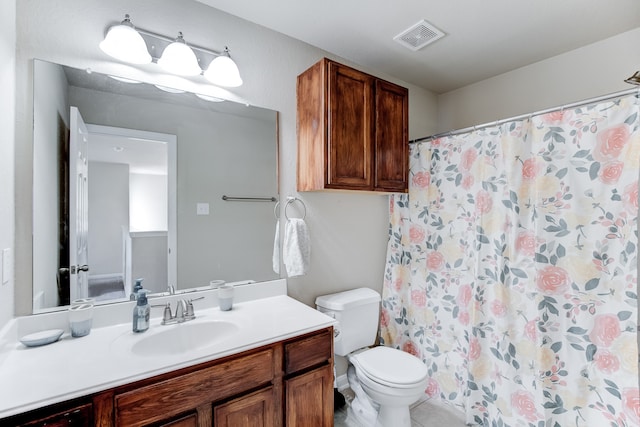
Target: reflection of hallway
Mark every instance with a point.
(106, 288)
(128, 211)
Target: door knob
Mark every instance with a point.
(75, 269)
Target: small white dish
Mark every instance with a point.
(42, 338)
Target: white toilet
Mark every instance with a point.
(386, 380)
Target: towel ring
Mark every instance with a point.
(275, 210)
(290, 200)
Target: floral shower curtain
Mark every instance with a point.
(512, 266)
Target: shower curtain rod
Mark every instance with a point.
(524, 116)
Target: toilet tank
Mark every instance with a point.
(357, 312)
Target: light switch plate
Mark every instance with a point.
(6, 265)
(202, 209)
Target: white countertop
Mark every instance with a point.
(33, 377)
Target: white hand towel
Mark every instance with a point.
(296, 249)
(276, 250)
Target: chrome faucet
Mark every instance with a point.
(184, 312)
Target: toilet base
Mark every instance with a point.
(362, 409)
(387, 416)
(394, 416)
(365, 411)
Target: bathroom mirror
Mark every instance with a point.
(145, 196)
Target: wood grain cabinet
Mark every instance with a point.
(286, 383)
(257, 409)
(352, 130)
(309, 381)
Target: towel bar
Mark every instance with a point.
(248, 199)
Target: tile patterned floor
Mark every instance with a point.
(423, 414)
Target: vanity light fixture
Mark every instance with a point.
(223, 71)
(634, 80)
(123, 42)
(178, 58)
(136, 46)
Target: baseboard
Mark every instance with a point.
(342, 382)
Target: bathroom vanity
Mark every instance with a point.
(275, 369)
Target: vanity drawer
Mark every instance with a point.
(173, 396)
(309, 351)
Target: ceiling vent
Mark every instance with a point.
(419, 35)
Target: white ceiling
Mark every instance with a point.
(483, 38)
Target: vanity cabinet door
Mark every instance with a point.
(308, 368)
(253, 410)
(309, 399)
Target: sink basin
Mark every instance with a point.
(182, 337)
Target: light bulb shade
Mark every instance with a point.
(178, 58)
(124, 43)
(635, 79)
(223, 72)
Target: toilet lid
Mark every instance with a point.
(391, 367)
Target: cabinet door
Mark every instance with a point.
(309, 399)
(254, 410)
(350, 129)
(392, 137)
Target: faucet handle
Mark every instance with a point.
(190, 313)
(166, 315)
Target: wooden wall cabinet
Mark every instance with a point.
(352, 130)
(287, 383)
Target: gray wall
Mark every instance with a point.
(108, 214)
(591, 71)
(149, 260)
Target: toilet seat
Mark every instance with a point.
(390, 367)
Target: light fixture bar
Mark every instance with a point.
(157, 43)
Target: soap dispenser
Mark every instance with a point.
(136, 288)
(141, 312)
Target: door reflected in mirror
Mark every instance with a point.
(148, 202)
